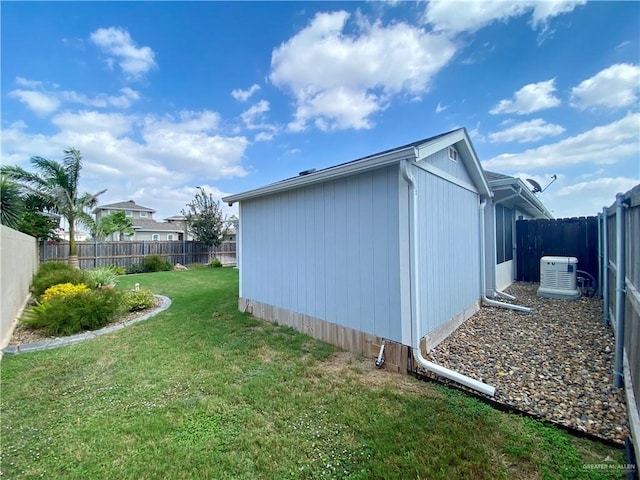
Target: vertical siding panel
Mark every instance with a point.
(382, 228)
(341, 278)
(330, 252)
(319, 253)
(367, 258)
(449, 249)
(352, 245)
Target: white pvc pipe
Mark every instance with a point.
(483, 267)
(415, 299)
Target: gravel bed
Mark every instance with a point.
(555, 362)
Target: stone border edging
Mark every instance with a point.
(81, 337)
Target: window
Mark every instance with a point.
(170, 236)
(155, 237)
(453, 154)
(143, 214)
(504, 234)
(128, 213)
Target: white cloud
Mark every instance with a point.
(89, 122)
(263, 137)
(127, 153)
(470, 16)
(613, 87)
(244, 95)
(441, 108)
(118, 43)
(529, 131)
(339, 79)
(592, 195)
(530, 98)
(606, 144)
(44, 98)
(253, 117)
(40, 103)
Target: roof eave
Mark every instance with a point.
(369, 163)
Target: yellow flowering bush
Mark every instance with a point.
(63, 290)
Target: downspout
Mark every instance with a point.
(483, 267)
(605, 266)
(618, 376)
(415, 297)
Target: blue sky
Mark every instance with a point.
(163, 97)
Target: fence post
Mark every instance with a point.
(605, 266)
(599, 293)
(184, 250)
(95, 252)
(618, 375)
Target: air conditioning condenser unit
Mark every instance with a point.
(558, 278)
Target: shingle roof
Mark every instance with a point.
(128, 205)
(140, 224)
(495, 176)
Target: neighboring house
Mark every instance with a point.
(144, 226)
(383, 248)
(512, 200)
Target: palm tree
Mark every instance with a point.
(11, 203)
(57, 184)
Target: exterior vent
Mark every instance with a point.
(558, 278)
(307, 172)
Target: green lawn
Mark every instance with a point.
(203, 391)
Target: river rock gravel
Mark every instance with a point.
(556, 362)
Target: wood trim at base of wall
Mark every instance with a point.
(431, 340)
(395, 354)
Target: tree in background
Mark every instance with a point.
(205, 221)
(114, 222)
(56, 184)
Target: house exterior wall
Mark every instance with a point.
(329, 251)
(449, 249)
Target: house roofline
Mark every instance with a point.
(413, 152)
(524, 194)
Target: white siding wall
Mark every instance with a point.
(449, 243)
(330, 251)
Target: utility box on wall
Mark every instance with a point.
(558, 278)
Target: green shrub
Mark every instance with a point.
(55, 273)
(118, 270)
(102, 277)
(155, 263)
(139, 299)
(135, 268)
(88, 310)
(215, 263)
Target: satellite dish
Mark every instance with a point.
(536, 186)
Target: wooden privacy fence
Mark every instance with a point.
(94, 254)
(620, 226)
(565, 237)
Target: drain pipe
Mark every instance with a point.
(415, 297)
(380, 359)
(599, 293)
(605, 266)
(618, 377)
(483, 280)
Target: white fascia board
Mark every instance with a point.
(328, 174)
(525, 194)
(470, 159)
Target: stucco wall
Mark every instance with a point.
(18, 263)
